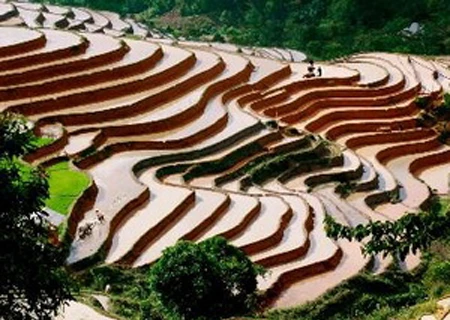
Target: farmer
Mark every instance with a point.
(100, 216)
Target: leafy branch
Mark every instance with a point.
(411, 233)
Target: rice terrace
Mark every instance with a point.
(149, 139)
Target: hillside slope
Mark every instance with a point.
(184, 140)
(323, 29)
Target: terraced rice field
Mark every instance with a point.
(187, 140)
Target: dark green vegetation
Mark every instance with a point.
(16, 136)
(280, 163)
(66, 185)
(224, 164)
(255, 163)
(410, 233)
(209, 280)
(129, 293)
(33, 282)
(122, 7)
(321, 28)
(435, 114)
(393, 295)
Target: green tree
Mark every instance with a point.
(210, 280)
(410, 233)
(33, 283)
(16, 136)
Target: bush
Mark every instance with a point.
(422, 102)
(444, 136)
(210, 280)
(447, 100)
(272, 124)
(344, 189)
(425, 119)
(437, 275)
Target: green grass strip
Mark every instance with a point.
(42, 142)
(66, 186)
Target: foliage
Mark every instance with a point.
(425, 119)
(423, 102)
(16, 135)
(122, 7)
(33, 283)
(360, 297)
(66, 185)
(393, 295)
(443, 111)
(410, 233)
(444, 136)
(447, 100)
(210, 280)
(129, 292)
(345, 188)
(321, 28)
(43, 141)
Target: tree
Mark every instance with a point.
(410, 233)
(16, 136)
(33, 283)
(209, 280)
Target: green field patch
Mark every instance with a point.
(66, 186)
(43, 141)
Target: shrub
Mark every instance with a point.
(447, 100)
(344, 189)
(422, 102)
(425, 119)
(444, 136)
(438, 273)
(272, 124)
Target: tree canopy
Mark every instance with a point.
(210, 280)
(410, 233)
(33, 283)
(321, 28)
(16, 136)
